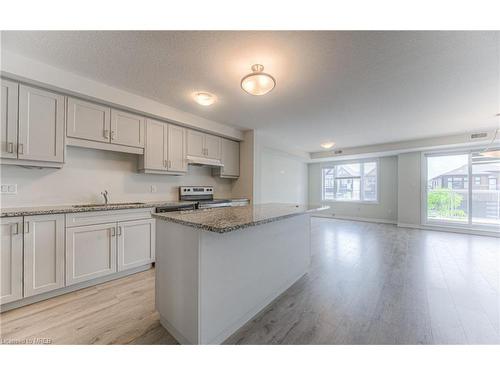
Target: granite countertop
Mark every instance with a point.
(68, 209)
(227, 219)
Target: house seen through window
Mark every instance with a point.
(350, 182)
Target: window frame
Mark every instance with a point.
(361, 179)
(469, 225)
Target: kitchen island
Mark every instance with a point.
(217, 268)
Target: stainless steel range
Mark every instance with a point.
(203, 195)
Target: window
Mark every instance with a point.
(457, 202)
(351, 182)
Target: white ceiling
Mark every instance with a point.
(354, 88)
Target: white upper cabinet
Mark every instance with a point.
(213, 146)
(41, 125)
(203, 145)
(9, 119)
(11, 259)
(86, 120)
(230, 157)
(165, 149)
(43, 254)
(155, 147)
(176, 149)
(127, 129)
(195, 143)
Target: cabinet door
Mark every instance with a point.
(41, 125)
(43, 254)
(176, 149)
(87, 120)
(195, 143)
(230, 157)
(11, 260)
(90, 252)
(8, 120)
(136, 243)
(212, 146)
(155, 153)
(127, 129)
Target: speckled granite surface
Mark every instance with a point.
(67, 209)
(227, 219)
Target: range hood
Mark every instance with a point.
(196, 160)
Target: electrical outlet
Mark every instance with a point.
(153, 188)
(9, 189)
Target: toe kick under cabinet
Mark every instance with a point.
(102, 243)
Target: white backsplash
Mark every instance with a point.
(87, 172)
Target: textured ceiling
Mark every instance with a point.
(354, 88)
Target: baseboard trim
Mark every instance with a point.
(71, 288)
(449, 229)
(356, 218)
(174, 332)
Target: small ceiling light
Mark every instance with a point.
(327, 145)
(258, 82)
(204, 98)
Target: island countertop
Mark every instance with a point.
(227, 219)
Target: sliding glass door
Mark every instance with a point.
(463, 189)
(485, 190)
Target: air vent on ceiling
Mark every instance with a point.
(478, 135)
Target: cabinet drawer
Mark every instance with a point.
(101, 217)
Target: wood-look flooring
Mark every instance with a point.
(368, 284)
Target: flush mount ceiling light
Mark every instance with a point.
(204, 98)
(327, 145)
(258, 83)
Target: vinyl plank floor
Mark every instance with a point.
(368, 284)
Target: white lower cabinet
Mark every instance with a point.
(136, 243)
(43, 254)
(90, 252)
(11, 260)
(103, 248)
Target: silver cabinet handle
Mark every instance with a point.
(105, 133)
(26, 227)
(119, 230)
(10, 148)
(15, 228)
(113, 232)
(20, 149)
(169, 164)
(112, 134)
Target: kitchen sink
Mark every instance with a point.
(106, 205)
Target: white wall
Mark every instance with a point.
(88, 172)
(409, 188)
(283, 177)
(385, 210)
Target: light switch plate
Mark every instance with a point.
(9, 188)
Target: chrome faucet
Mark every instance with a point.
(106, 196)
